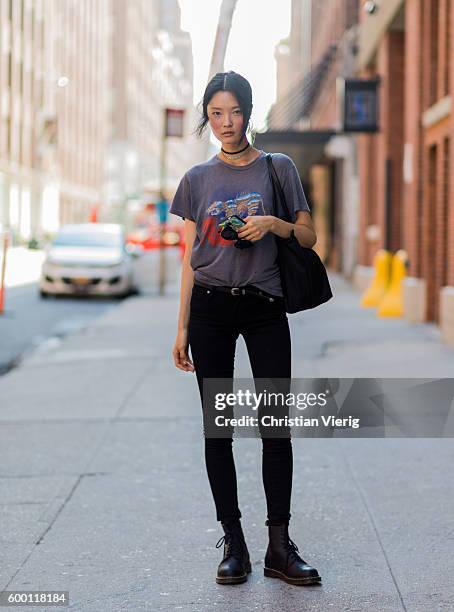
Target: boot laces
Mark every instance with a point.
(233, 546)
(292, 550)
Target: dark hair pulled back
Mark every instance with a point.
(237, 85)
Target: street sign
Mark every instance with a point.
(358, 104)
(174, 122)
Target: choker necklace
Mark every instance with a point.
(235, 154)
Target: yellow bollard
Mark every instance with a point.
(379, 284)
(392, 304)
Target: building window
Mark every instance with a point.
(447, 49)
(433, 50)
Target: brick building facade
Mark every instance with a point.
(393, 188)
(406, 169)
(306, 113)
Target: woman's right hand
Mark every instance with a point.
(180, 352)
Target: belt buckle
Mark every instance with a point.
(235, 291)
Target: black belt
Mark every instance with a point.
(240, 291)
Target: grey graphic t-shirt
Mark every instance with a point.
(212, 191)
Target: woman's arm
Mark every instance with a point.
(257, 226)
(180, 348)
(187, 274)
(303, 226)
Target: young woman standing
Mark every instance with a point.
(230, 285)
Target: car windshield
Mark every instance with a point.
(88, 239)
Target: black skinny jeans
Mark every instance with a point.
(216, 320)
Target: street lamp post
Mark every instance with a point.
(173, 126)
(162, 217)
(3, 270)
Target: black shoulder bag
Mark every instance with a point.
(303, 276)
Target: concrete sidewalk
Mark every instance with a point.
(104, 491)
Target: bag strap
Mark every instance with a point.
(278, 192)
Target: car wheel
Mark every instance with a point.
(43, 293)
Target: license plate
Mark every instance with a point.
(81, 280)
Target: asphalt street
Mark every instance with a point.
(30, 322)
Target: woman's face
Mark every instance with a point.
(226, 118)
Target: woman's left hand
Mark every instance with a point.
(256, 227)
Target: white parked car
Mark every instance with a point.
(88, 259)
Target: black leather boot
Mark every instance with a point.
(235, 565)
(282, 560)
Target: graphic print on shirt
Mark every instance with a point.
(217, 214)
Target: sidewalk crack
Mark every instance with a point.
(374, 525)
